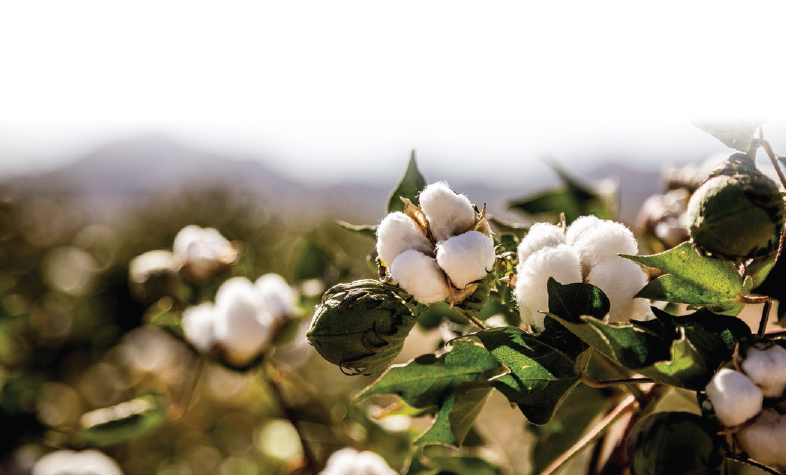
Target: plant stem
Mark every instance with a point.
(754, 463)
(768, 148)
(273, 378)
(472, 319)
(765, 315)
(594, 383)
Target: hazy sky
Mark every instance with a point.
(330, 88)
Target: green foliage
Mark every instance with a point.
(438, 459)
(734, 134)
(126, 421)
(410, 185)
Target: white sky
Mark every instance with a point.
(311, 84)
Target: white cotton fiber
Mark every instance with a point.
(560, 262)
(621, 279)
(763, 439)
(420, 276)
(601, 241)
(540, 235)
(767, 368)
(448, 213)
(276, 296)
(579, 226)
(198, 326)
(734, 397)
(242, 326)
(466, 258)
(398, 233)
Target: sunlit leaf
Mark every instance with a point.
(540, 375)
(367, 230)
(457, 414)
(125, 421)
(410, 185)
(736, 134)
(571, 301)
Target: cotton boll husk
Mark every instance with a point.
(603, 241)
(199, 326)
(242, 327)
(466, 258)
(767, 368)
(540, 235)
(398, 233)
(420, 276)
(448, 213)
(763, 438)
(531, 293)
(734, 397)
(276, 296)
(621, 279)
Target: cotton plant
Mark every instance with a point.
(586, 251)
(202, 253)
(71, 462)
(349, 461)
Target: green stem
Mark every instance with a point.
(612, 366)
(754, 463)
(765, 315)
(768, 148)
(594, 383)
(472, 318)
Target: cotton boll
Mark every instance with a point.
(349, 461)
(466, 258)
(764, 437)
(560, 262)
(198, 326)
(579, 226)
(540, 235)
(276, 296)
(767, 368)
(621, 279)
(602, 241)
(69, 462)
(242, 326)
(734, 397)
(398, 233)
(203, 252)
(448, 213)
(420, 276)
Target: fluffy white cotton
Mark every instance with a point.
(540, 235)
(278, 298)
(560, 262)
(763, 439)
(398, 233)
(579, 226)
(198, 326)
(144, 265)
(69, 462)
(447, 212)
(202, 251)
(734, 397)
(466, 258)
(767, 368)
(349, 461)
(420, 276)
(242, 326)
(599, 240)
(621, 279)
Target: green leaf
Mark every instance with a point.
(571, 301)
(410, 185)
(734, 134)
(692, 278)
(367, 230)
(428, 380)
(125, 421)
(313, 261)
(457, 414)
(437, 459)
(540, 375)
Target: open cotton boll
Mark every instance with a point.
(767, 368)
(242, 327)
(398, 233)
(763, 439)
(579, 226)
(531, 292)
(734, 397)
(70, 462)
(540, 235)
(602, 241)
(621, 279)
(420, 276)
(466, 258)
(448, 213)
(349, 461)
(199, 326)
(202, 251)
(276, 295)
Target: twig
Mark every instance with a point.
(472, 318)
(765, 315)
(754, 463)
(768, 148)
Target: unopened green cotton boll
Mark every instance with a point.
(540, 235)
(466, 258)
(674, 443)
(763, 438)
(420, 276)
(737, 213)
(447, 212)
(531, 292)
(735, 397)
(767, 368)
(398, 233)
(361, 326)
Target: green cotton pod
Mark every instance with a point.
(737, 213)
(675, 443)
(361, 326)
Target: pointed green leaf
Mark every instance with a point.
(540, 375)
(125, 421)
(734, 134)
(437, 459)
(457, 414)
(571, 301)
(410, 185)
(367, 230)
(428, 380)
